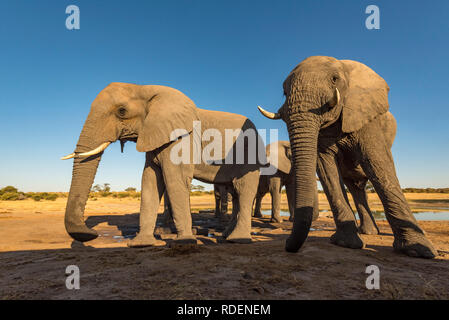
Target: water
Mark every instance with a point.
(424, 215)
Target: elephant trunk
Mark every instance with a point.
(303, 138)
(84, 170)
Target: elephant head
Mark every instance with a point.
(319, 92)
(147, 115)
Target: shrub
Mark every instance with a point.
(123, 194)
(51, 197)
(8, 189)
(9, 196)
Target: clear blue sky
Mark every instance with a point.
(225, 55)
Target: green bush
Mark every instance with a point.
(123, 194)
(9, 196)
(8, 189)
(51, 197)
(38, 196)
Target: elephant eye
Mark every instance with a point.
(334, 79)
(121, 111)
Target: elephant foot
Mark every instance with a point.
(291, 218)
(368, 229)
(82, 233)
(276, 219)
(239, 237)
(239, 240)
(258, 215)
(228, 230)
(415, 245)
(141, 241)
(346, 236)
(184, 240)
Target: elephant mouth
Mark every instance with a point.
(125, 138)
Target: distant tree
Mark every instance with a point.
(105, 188)
(130, 189)
(10, 189)
(96, 188)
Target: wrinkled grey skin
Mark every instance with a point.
(148, 115)
(273, 183)
(324, 129)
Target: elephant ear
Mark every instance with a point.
(366, 96)
(169, 117)
(284, 154)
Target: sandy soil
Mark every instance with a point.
(35, 251)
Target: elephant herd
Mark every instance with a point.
(339, 126)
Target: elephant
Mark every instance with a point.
(355, 180)
(274, 183)
(163, 121)
(335, 112)
(222, 195)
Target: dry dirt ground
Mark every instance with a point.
(35, 251)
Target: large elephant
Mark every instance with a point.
(163, 122)
(335, 109)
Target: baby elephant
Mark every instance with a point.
(353, 177)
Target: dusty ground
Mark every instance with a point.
(35, 251)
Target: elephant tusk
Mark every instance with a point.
(269, 115)
(69, 156)
(89, 153)
(335, 99)
(101, 148)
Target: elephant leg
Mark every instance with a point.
(152, 190)
(217, 206)
(257, 206)
(367, 223)
(346, 234)
(233, 221)
(246, 190)
(262, 189)
(377, 163)
(167, 216)
(177, 180)
(275, 187)
(224, 202)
